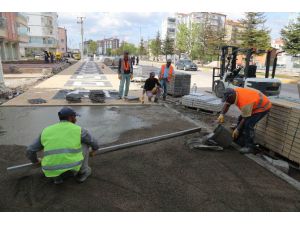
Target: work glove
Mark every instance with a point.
(131, 76)
(235, 133)
(143, 100)
(221, 118)
(119, 76)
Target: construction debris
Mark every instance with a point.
(97, 96)
(279, 131)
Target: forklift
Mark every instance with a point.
(232, 75)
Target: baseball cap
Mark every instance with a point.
(66, 111)
(152, 74)
(169, 60)
(227, 93)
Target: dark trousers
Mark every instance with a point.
(246, 137)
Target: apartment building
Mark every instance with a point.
(108, 43)
(43, 33)
(62, 40)
(168, 27)
(232, 32)
(13, 31)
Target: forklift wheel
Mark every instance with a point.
(219, 89)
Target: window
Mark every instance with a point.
(62, 40)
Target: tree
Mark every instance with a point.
(109, 51)
(168, 46)
(291, 37)
(92, 47)
(128, 47)
(142, 50)
(155, 45)
(182, 39)
(255, 34)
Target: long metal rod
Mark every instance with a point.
(123, 146)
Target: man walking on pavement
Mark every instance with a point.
(165, 75)
(125, 74)
(152, 87)
(253, 105)
(66, 149)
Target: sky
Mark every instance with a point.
(131, 26)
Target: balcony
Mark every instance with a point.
(3, 33)
(22, 19)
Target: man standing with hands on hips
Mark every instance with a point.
(125, 74)
(253, 105)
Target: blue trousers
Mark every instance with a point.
(247, 132)
(125, 80)
(163, 84)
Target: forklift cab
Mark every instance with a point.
(233, 75)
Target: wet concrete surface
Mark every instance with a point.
(164, 176)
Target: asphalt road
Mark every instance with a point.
(203, 81)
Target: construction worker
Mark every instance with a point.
(165, 75)
(125, 74)
(66, 149)
(152, 88)
(253, 105)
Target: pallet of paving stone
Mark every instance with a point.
(201, 101)
(179, 85)
(279, 131)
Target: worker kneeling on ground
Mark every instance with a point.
(66, 149)
(253, 105)
(152, 88)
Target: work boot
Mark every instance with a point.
(246, 150)
(149, 99)
(58, 180)
(156, 100)
(81, 177)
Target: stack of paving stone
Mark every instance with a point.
(203, 101)
(279, 131)
(179, 85)
(73, 97)
(97, 96)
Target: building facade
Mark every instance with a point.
(43, 33)
(108, 43)
(13, 31)
(232, 32)
(62, 40)
(168, 27)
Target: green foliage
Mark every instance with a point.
(291, 37)
(92, 47)
(142, 50)
(109, 51)
(182, 39)
(255, 35)
(155, 45)
(168, 46)
(125, 47)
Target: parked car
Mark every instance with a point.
(186, 64)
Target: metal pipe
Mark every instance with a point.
(123, 146)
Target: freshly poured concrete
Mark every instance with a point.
(163, 176)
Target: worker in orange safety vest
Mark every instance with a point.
(165, 75)
(253, 105)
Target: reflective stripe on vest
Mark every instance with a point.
(260, 102)
(62, 148)
(62, 166)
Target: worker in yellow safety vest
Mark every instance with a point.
(165, 75)
(66, 149)
(253, 105)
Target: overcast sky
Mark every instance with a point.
(128, 26)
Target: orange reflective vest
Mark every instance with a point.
(246, 96)
(162, 72)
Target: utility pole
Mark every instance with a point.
(80, 21)
(1, 74)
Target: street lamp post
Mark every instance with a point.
(80, 21)
(1, 75)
